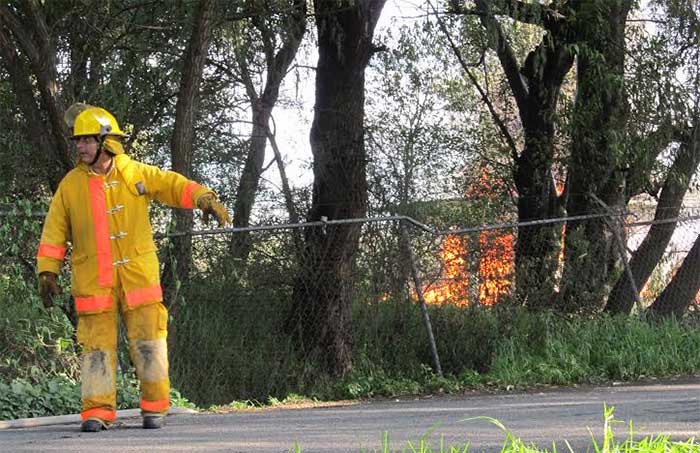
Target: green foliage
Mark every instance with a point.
(228, 343)
(34, 342)
(58, 394)
(413, 135)
(236, 351)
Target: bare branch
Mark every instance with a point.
(484, 96)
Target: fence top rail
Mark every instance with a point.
(401, 218)
(392, 218)
(291, 226)
(421, 226)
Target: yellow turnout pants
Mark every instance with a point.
(146, 327)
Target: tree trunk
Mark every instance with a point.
(536, 87)
(323, 292)
(250, 179)
(683, 288)
(36, 130)
(595, 169)
(651, 250)
(40, 53)
(288, 197)
(277, 65)
(177, 265)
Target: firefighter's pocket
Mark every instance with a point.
(84, 275)
(77, 260)
(95, 328)
(162, 319)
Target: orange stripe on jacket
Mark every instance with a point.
(155, 406)
(51, 251)
(93, 303)
(143, 295)
(101, 225)
(187, 200)
(103, 414)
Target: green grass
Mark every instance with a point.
(236, 351)
(649, 444)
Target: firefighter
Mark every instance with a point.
(101, 208)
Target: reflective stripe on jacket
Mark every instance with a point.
(105, 218)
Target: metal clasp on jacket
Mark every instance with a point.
(121, 262)
(116, 208)
(110, 184)
(119, 235)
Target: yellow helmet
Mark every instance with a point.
(87, 120)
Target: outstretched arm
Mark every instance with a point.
(173, 189)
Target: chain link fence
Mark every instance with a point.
(246, 325)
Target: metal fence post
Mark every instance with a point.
(622, 247)
(616, 228)
(421, 300)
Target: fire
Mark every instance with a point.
(483, 275)
(455, 284)
(496, 265)
(486, 277)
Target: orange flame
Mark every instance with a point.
(493, 269)
(496, 266)
(455, 284)
(484, 275)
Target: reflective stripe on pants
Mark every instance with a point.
(146, 327)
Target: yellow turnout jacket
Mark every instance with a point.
(105, 218)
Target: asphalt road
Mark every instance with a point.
(539, 417)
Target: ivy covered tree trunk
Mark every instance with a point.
(597, 162)
(323, 293)
(536, 85)
(28, 52)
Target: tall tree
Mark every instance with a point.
(279, 32)
(323, 293)
(665, 61)
(53, 57)
(595, 172)
(684, 21)
(535, 85)
(415, 132)
(24, 31)
(683, 288)
(651, 250)
(193, 62)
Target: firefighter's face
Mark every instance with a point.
(87, 148)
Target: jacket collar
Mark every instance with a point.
(123, 165)
(129, 172)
